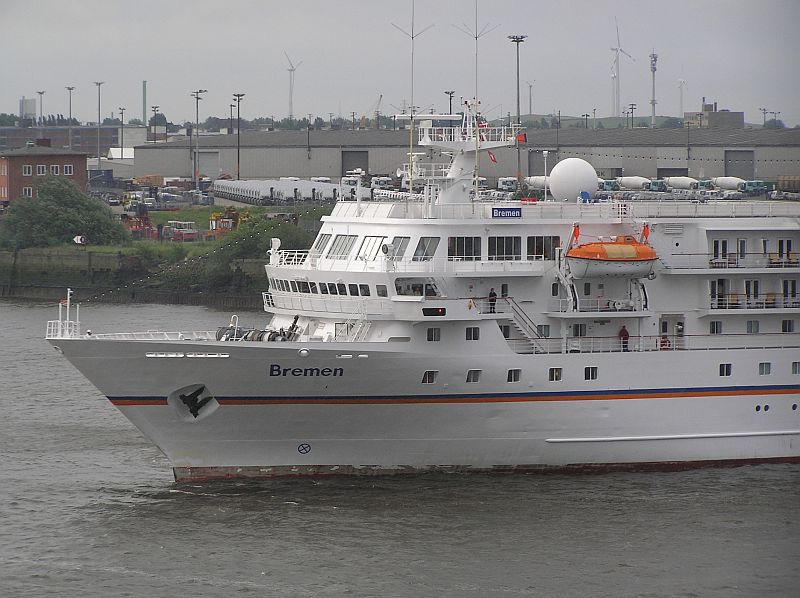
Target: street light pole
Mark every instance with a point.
(69, 124)
(155, 111)
(517, 40)
(632, 106)
(197, 95)
(230, 120)
(449, 94)
(238, 99)
(122, 133)
(98, 83)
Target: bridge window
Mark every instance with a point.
(464, 248)
(353, 289)
(341, 247)
(543, 247)
(370, 247)
(505, 248)
(364, 288)
(332, 288)
(380, 290)
(340, 286)
(322, 242)
(425, 249)
(323, 288)
(400, 244)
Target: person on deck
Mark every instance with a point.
(492, 300)
(623, 337)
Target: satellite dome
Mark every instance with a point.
(570, 177)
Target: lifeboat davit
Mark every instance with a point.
(623, 255)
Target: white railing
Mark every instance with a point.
(157, 335)
(712, 209)
(300, 260)
(586, 344)
(697, 261)
(761, 301)
(603, 304)
(62, 329)
(433, 135)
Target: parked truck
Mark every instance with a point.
(633, 183)
(729, 183)
(658, 185)
(681, 182)
(607, 185)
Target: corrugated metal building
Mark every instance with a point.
(747, 153)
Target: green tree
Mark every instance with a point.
(59, 213)
(671, 123)
(8, 120)
(774, 124)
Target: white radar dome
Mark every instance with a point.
(571, 176)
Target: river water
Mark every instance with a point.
(89, 508)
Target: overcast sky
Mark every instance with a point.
(742, 54)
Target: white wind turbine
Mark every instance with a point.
(292, 68)
(615, 71)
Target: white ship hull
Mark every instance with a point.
(369, 418)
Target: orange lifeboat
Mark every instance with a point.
(621, 256)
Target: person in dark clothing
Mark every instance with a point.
(492, 300)
(623, 337)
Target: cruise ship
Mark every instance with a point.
(453, 331)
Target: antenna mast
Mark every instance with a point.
(653, 60)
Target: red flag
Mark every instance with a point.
(522, 137)
(492, 157)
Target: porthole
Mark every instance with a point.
(758, 407)
(766, 407)
(794, 407)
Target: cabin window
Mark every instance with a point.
(554, 289)
(543, 247)
(425, 249)
(587, 288)
(784, 248)
(787, 325)
(752, 326)
(741, 248)
(364, 290)
(473, 376)
(342, 288)
(590, 372)
(400, 244)
(796, 368)
(505, 248)
(332, 288)
(353, 289)
(321, 243)
(579, 330)
(513, 375)
(323, 288)
(554, 374)
(765, 246)
(303, 286)
(789, 287)
(544, 330)
(380, 290)
(464, 248)
(715, 327)
(370, 247)
(473, 333)
(505, 330)
(764, 368)
(341, 247)
(434, 334)
(313, 287)
(429, 377)
(293, 286)
(725, 369)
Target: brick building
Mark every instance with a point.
(21, 169)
